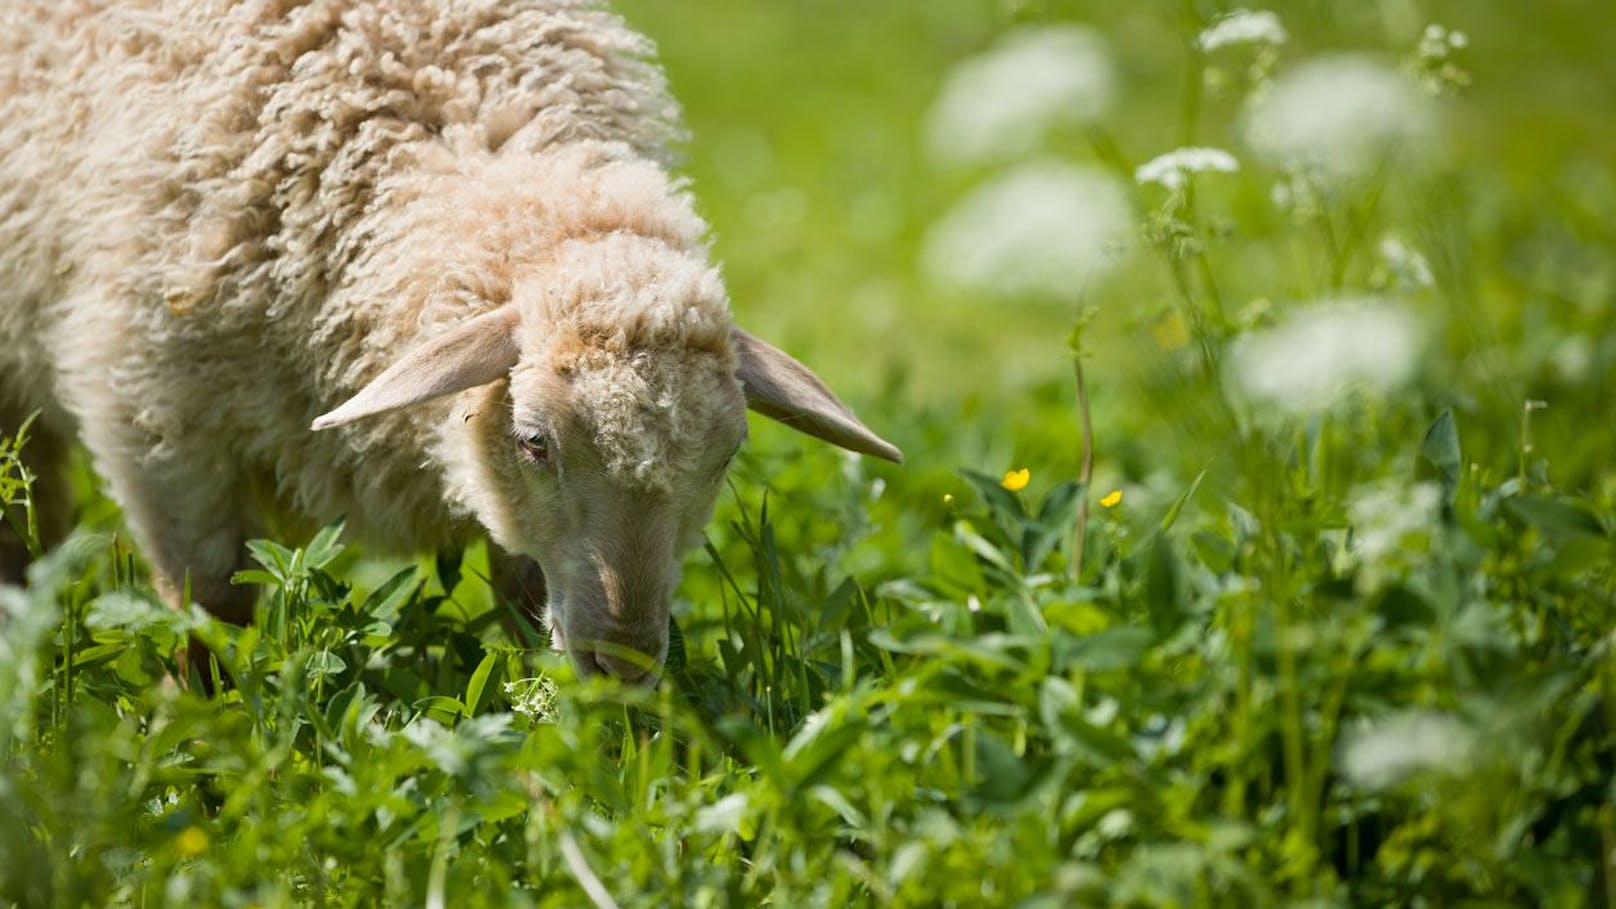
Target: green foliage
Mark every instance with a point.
(16, 490)
(1358, 655)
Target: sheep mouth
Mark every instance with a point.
(629, 665)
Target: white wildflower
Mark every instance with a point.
(1040, 230)
(1434, 60)
(533, 698)
(1340, 116)
(722, 816)
(1001, 103)
(1385, 515)
(1243, 26)
(1317, 355)
(1437, 41)
(1407, 267)
(1380, 753)
(1173, 169)
(1572, 357)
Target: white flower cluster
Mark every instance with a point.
(1043, 229)
(1436, 42)
(1385, 515)
(1002, 103)
(1435, 61)
(1340, 116)
(1318, 355)
(1386, 751)
(1243, 26)
(533, 698)
(1406, 267)
(1174, 169)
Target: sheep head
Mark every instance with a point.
(603, 404)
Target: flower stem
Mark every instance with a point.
(1085, 470)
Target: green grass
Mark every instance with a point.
(1360, 656)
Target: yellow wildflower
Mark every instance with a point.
(191, 842)
(1016, 480)
(1112, 498)
(948, 499)
(1172, 332)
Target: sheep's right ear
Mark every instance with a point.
(476, 353)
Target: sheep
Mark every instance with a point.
(420, 264)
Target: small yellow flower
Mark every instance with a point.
(191, 842)
(948, 499)
(1172, 332)
(1016, 480)
(1112, 498)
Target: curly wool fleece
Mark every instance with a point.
(185, 184)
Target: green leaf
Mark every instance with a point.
(1056, 698)
(479, 680)
(954, 571)
(325, 545)
(1113, 648)
(345, 708)
(273, 556)
(1178, 504)
(821, 742)
(120, 609)
(1055, 518)
(1099, 745)
(385, 603)
(442, 708)
(1006, 505)
(1166, 592)
(1001, 775)
(1214, 551)
(255, 576)
(101, 653)
(1023, 615)
(965, 533)
(324, 663)
(1558, 518)
(1440, 450)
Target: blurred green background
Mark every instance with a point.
(807, 155)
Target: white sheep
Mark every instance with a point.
(441, 232)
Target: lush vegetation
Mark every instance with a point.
(1327, 621)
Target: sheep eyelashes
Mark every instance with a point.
(328, 214)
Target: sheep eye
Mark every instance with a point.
(536, 448)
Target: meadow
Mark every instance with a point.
(1256, 544)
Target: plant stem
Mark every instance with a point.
(1085, 470)
(1526, 438)
(1194, 78)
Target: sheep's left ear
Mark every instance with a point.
(466, 356)
(782, 389)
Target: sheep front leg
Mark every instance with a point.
(186, 512)
(203, 550)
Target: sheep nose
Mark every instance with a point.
(624, 669)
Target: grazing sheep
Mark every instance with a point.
(441, 233)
